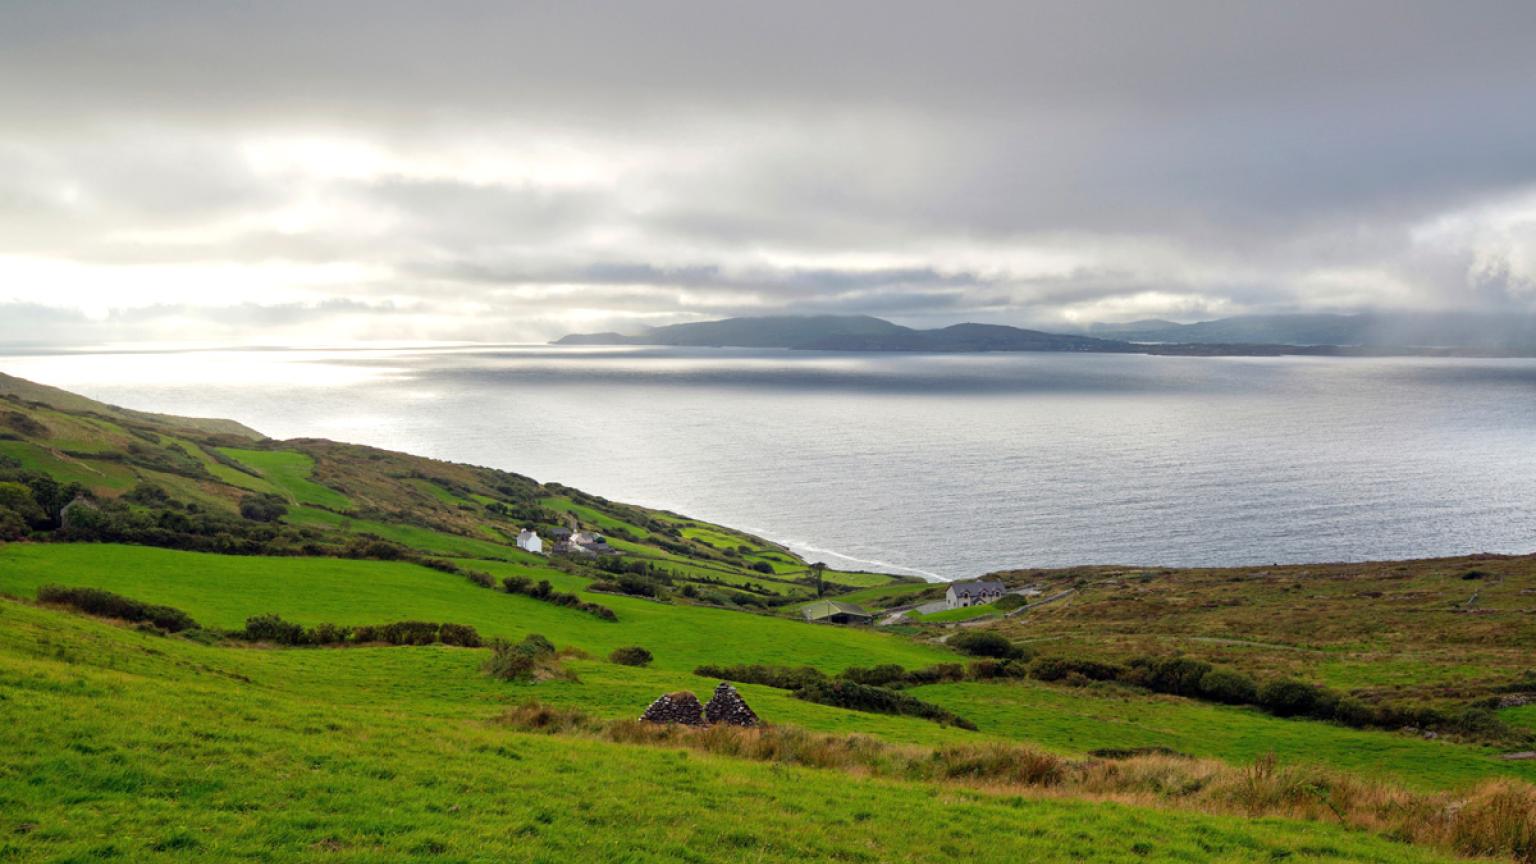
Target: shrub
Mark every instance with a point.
(1226, 685)
(877, 700)
(763, 567)
(461, 635)
(272, 628)
(1010, 602)
(1288, 698)
(938, 673)
(1061, 668)
(263, 507)
(95, 601)
(633, 655)
(484, 580)
(982, 644)
(782, 677)
(529, 660)
(328, 634)
(876, 676)
(1180, 676)
(409, 633)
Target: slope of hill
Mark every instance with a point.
(218, 743)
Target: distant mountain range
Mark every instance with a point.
(847, 333)
(1256, 335)
(1397, 330)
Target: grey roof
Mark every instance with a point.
(973, 589)
(828, 608)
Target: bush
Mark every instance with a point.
(877, 700)
(484, 580)
(95, 601)
(272, 628)
(633, 655)
(876, 676)
(526, 661)
(982, 644)
(1010, 602)
(938, 673)
(461, 635)
(1225, 685)
(1062, 668)
(1288, 698)
(409, 633)
(263, 507)
(1180, 676)
(763, 567)
(782, 677)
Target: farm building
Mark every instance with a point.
(528, 540)
(834, 612)
(977, 593)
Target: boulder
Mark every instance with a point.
(682, 707)
(727, 707)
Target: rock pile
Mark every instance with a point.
(682, 707)
(727, 707)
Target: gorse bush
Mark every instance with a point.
(633, 655)
(986, 644)
(530, 660)
(95, 601)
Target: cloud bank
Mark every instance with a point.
(345, 170)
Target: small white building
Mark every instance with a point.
(978, 593)
(528, 541)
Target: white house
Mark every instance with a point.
(528, 541)
(978, 593)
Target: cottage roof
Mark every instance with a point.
(828, 608)
(977, 588)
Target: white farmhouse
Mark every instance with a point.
(528, 541)
(978, 593)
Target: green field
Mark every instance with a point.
(290, 472)
(224, 590)
(121, 745)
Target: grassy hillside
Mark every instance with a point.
(131, 746)
(127, 742)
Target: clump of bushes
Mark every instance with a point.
(542, 590)
(877, 700)
(533, 659)
(263, 507)
(632, 655)
(95, 601)
(983, 643)
(782, 677)
(635, 586)
(272, 628)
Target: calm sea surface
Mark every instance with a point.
(946, 465)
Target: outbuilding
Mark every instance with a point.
(835, 612)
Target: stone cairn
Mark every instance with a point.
(683, 708)
(727, 707)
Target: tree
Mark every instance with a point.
(816, 570)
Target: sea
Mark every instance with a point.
(945, 466)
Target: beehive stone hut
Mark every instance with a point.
(727, 707)
(682, 707)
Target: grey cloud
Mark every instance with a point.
(1268, 157)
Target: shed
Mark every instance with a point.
(835, 612)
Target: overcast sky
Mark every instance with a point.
(282, 172)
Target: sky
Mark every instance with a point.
(324, 172)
